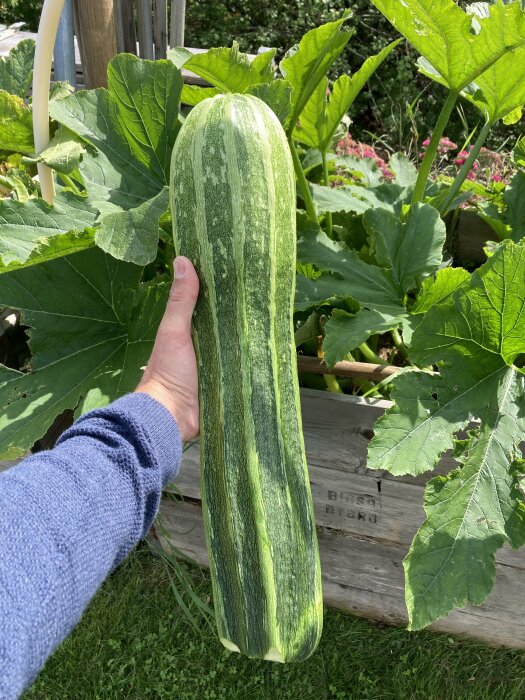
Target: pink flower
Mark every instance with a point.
(496, 178)
(446, 145)
(426, 143)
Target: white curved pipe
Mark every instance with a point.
(45, 42)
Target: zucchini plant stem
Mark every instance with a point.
(326, 182)
(465, 169)
(303, 183)
(430, 155)
(400, 345)
(370, 355)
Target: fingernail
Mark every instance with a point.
(180, 268)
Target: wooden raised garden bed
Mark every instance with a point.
(366, 521)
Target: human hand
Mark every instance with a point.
(170, 376)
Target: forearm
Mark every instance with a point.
(68, 516)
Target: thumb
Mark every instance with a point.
(182, 298)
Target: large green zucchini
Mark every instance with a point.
(233, 207)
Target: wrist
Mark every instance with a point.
(165, 397)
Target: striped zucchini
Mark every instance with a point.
(233, 208)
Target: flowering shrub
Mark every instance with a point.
(490, 166)
(349, 147)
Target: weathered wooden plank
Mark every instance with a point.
(98, 45)
(177, 23)
(125, 26)
(361, 504)
(160, 28)
(365, 577)
(145, 26)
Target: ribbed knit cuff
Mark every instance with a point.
(160, 429)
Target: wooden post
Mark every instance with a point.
(145, 24)
(64, 54)
(98, 45)
(160, 28)
(125, 26)
(178, 17)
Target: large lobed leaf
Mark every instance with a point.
(16, 69)
(475, 333)
(228, 69)
(92, 328)
(404, 253)
(458, 46)
(16, 124)
(321, 116)
(130, 129)
(33, 231)
(306, 65)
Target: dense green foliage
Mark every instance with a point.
(27, 11)
(372, 251)
(133, 644)
(397, 106)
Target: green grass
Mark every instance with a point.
(134, 643)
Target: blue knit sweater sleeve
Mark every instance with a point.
(68, 516)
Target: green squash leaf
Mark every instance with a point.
(129, 129)
(410, 249)
(405, 172)
(179, 56)
(435, 290)
(16, 70)
(63, 152)
(230, 70)
(368, 284)
(475, 335)
(27, 226)
(357, 199)
(88, 347)
(345, 275)
(306, 65)
(277, 95)
(113, 233)
(459, 46)
(193, 94)
(321, 116)
(345, 331)
(365, 169)
(16, 124)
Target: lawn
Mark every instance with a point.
(134, 643)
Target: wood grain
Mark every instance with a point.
(96, 26)
(160, 29)
(365, 577)
(145, 28)
(362, 370)
(125, 26)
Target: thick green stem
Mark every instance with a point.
(332, 384)
(303, 183)
(400, 345)
(370, 355)
(430, 155)
(465, 169)
(326, 182)
(68, 182)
